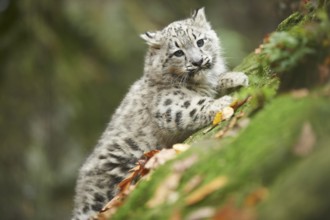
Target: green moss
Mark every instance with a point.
(302, 193)
(296, 38)
(284, 50)
(267, 141)
(290, 22)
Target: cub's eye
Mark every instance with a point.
(178, 53)
(200, 42)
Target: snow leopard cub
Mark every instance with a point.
(183, 72)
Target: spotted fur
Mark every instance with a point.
(183, 73)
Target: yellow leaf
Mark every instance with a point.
(226, 113)
(217, 119)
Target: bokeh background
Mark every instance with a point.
(64, 67)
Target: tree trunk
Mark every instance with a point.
(271, 159)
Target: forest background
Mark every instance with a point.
(65, 66)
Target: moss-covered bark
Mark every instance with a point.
(276, 167)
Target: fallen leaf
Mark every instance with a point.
(201, 213)
(220, 133)
(165, 190)
(150, 161)
(128, 181)
(160, 158)
(179, 148)
(306, 141)
(256, 197)
(227, 113)
(138, 171)
(176, 215)
(192, 183)
(111, 207)
(217, 119)
(235, 105)
(231, 212)
(184, 164)
(150, 154)
(126, 186)
(224, 114)
(207, 189)
(233, 127)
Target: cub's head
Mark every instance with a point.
(184, 49)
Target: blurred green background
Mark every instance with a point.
(65, 66)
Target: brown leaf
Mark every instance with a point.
(138, 171)
(306, 141)
(256, 197)
(207, 189)
(150, 161)
(238, 104)
(150, 154)
(231, 212)
(126, 186)
(111, 207)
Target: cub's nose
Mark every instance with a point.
(197, 63)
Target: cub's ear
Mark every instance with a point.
(152, 39)
(199, 19)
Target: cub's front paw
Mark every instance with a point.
(233, 79)
(240, 79)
